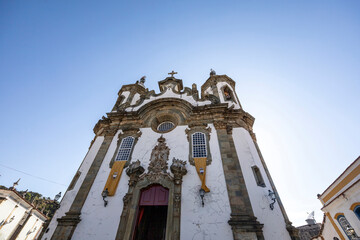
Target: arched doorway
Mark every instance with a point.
(152, 214)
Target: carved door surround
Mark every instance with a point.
(157, 174)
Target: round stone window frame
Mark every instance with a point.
(173, 126)
(162, 119)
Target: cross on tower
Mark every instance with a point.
(172, 73)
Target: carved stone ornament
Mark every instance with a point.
(178, 169)
(134, 171)
(110, 132)
(159, 157)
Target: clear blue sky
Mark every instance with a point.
(296, 65)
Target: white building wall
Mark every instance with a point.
(69, 196)
(30, 229)
(135, 98)
(18, 213)
(211, 221)
(273, 220)
(97, 221)
(342, 204)
(329, 231)
(7, 230)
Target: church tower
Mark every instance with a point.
(173, 165)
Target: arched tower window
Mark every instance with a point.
(258, 177)
(347, 228)
(199, 145)
(125, 149)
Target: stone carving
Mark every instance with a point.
(178, 169)
(212, 72)
(159, 157)
(134, 171)
(110, 132)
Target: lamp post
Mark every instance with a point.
(202, 194)
(273, 198)
(104, 195)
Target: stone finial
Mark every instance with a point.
(212, 72)
(142, 79)
(15, 184)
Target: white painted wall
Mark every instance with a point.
(97, 221)
(69, 196)
(125, 94)
(135, 98)
(329, 231)
(211, 221)
(7, 207)
(273, 220)
(209, 91)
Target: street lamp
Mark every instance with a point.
(202, 194)
(104, 195)
(273, 198)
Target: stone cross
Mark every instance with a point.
(172, 73)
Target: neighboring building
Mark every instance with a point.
(341, 205)
(193, 170)
(311, 229)
(19, 219)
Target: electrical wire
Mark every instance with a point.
(44, 179)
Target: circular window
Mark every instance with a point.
(165, 126)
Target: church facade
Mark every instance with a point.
(178, 164)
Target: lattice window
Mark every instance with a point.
(199, 145)
(165, 126)
(125, 149)
(348, 229)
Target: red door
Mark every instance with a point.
(154, 196)
(152, 214)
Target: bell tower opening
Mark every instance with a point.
(152, 214)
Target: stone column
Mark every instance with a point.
(242, 220)
(67, 224)
(133, 171)
(179, 170)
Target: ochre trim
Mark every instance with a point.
(335, 227)
(354, 205)
(343, 183)
(112, 183)
(201, 163)
(338, 214)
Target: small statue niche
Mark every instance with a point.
(227, 94)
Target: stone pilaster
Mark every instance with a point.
(67, 224)
(133, 171)
(242, 220)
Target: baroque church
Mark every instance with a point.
(181, 164)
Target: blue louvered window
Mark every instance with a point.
(125, 149)
(199, 145)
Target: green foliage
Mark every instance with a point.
(43, 204)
